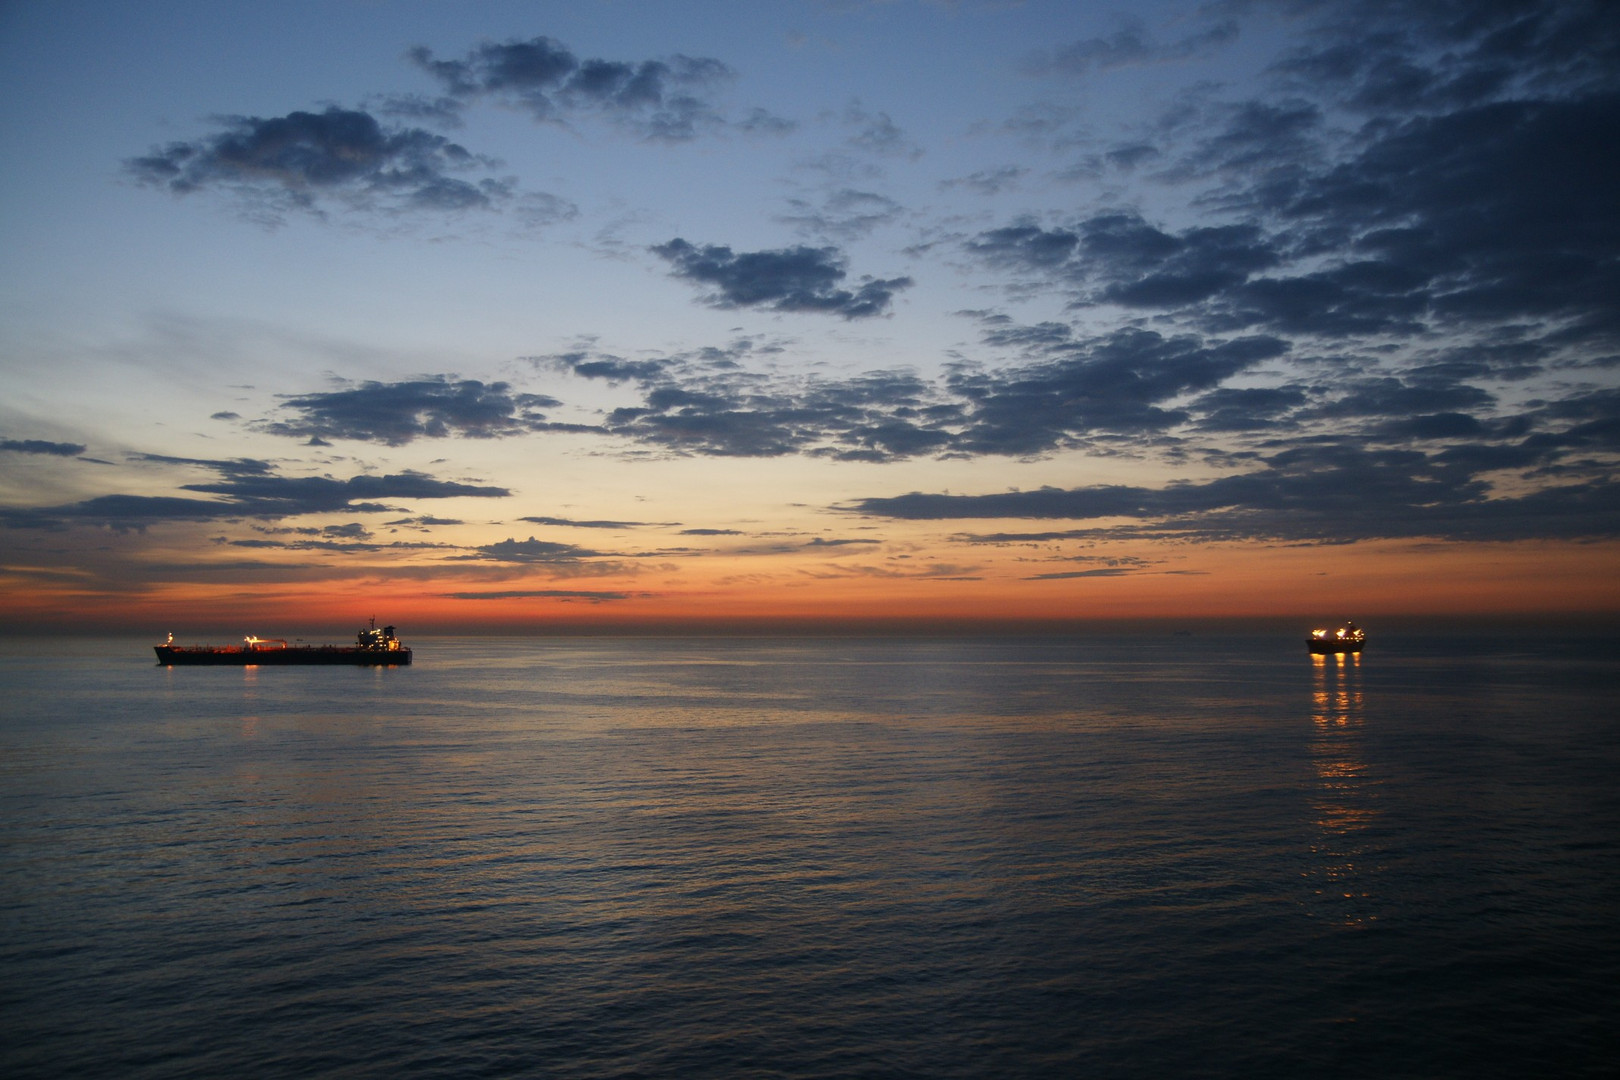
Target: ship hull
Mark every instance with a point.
(1333, 646)
(170, 656)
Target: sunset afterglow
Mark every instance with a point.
(528, 317)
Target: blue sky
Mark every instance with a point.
(1036, 310)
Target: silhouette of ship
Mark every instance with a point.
(1349, 638)
(373, 648)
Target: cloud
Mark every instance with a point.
(1470, 222)
(343, 547)
(872, 417)
(245, 490)
(535, 551)
(846, 213)
(559, 560)
(41, 446)
(1418, 202)
(1400, 58)
(1101, 571)
(988, 181)
(1120, 383)
(876, 133)
(225, 466)
(667, 100)
(1323, 493)
(425, 521)
(540, 594)
(434, 407)
(297, 160)
(762, 122)
(1067, 391)
(796, 279)
(1130, 45)
(573, 524)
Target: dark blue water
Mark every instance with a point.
(1127, 856)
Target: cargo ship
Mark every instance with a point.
(1349, 638)
(373, 648)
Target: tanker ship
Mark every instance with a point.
(372, 648)
(1350, 638)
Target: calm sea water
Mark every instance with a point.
(1106, 856)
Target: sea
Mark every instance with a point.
(1110, 854)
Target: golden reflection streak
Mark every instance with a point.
(1342, 804)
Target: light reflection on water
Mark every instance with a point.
(947, 858)
(1345, 796)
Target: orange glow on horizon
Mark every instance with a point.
(1191, 582)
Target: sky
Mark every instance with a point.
(593, 315)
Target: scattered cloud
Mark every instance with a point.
(988, 181)
(425, 521)
(575, 524)
(299, 160)
(246, 489)
(433, 407)
(846, 213)
(535, 551)
(875, 133)
(41, 446)
(796, 279)
(1130, 45)
(1325, 493)
(671, 99)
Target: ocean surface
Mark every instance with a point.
(1138, 855)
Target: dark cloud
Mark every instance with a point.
(1068, 390)
(342, 547)
(1492, 222)
(1025, 247)
(558, 559)
(669, 99)
(535, 551)
(1248, 408)
(224, 466)
(1100, 571)
(796, 279)
(396, 413)
(1422, 207)
(245, 490)
(611, 369)
(574, 524)
(1388, 57)
(1323, 493)
(1127, 261)
(425, 521)
(1123, 383)
(822, 542)
(295, 161)
(1478, 217)
(871, 417)
(41, 446)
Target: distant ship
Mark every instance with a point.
(373, 647)
(1349, 638)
